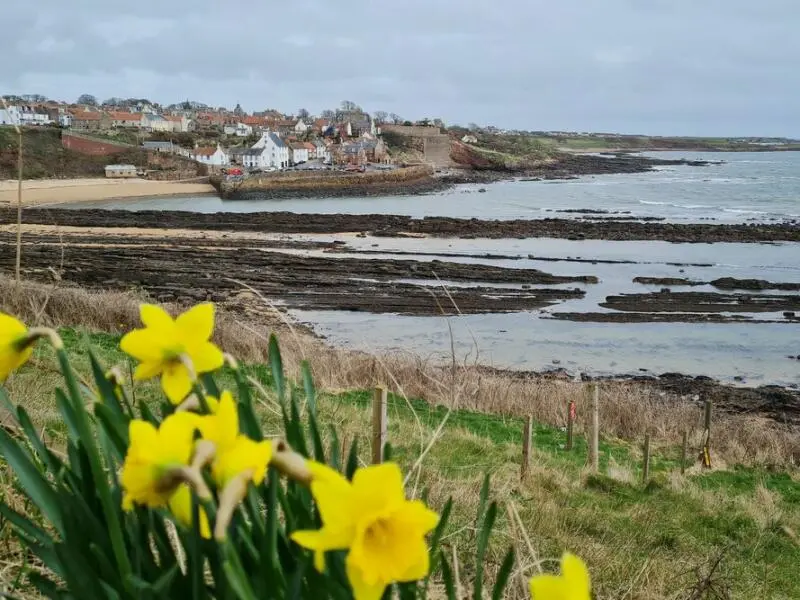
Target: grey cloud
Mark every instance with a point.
(664, 66)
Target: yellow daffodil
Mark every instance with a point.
(14, 351)
(235, 453)
(384, 532)
(153, 454)
(572, 584)
(180, 505)
(177, 349)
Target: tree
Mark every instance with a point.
(328, 114)
(238, 111)
(396, 119)
(438, 123)
(113, 101)
(302, 113)
(349, 106)
(380, 116)
(87, 99)
(473, 127)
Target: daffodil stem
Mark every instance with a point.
(230, 497)
(37, 333)
(290, 463)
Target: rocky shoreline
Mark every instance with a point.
(566, 166)
(778, 403)
(403, 226)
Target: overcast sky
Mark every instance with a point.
(690, 67)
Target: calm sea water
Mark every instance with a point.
(763, 187)
(746, 186)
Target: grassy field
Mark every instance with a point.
(728, 533)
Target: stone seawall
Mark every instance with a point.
(410, 180)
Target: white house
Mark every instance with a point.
(299, 152)
(323, 152)
(301, 127)
(255, 158)
(216, 157)
(154, 122)
(177, 123)
(31, 116)
(239, 130)
(10, 116)
(277, 150)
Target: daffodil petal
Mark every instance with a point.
(175, 382)
(415, 515)
(377, 488)
(206, 357)
(548, 587)
(197, 323)
(325, 539)
(142, 434)
(180, 505)
(147, 370)
(244, 455)
(11, 327)
(334, 496)
(361, 589)
(12, 360)
(156, 317)
(145, 345)
(576, 576)
(419, 569)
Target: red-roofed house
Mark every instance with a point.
(177, 123)
(125, 119)
(312, 149)
(93, 120)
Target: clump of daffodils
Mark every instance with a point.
(248, 510)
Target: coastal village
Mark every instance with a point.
(348, 137)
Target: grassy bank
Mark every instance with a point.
(729, 532)
(45, 157)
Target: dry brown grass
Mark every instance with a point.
(245, 322)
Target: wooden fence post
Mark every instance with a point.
(570, 424)
(684, 450)
(707, 435)
(646, 459)
(379, 428)
(527, 436)
(594, 432)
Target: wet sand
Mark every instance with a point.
(38, 192)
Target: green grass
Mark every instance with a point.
(44, 156)
(640, 541)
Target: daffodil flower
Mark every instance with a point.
(177, 349)
(384, 532)
(572, 584)
(14, 347)
(154, 458)
(235, 453)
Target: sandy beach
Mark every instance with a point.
(40, 192)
